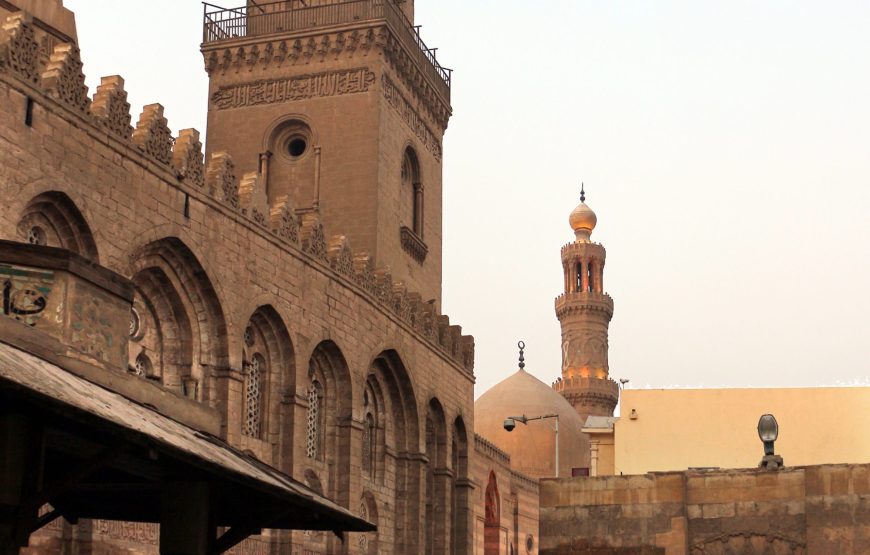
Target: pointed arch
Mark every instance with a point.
(460, 491)
(368, 543)
(329, 390)
(492, 517)
(412, 191)
(173, 290)
(398, 477)
(437, 531)
(52, 218)
(266, 336)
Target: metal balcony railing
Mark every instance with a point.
(287, 16)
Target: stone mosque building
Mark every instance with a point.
(276, 294)
(235, 342)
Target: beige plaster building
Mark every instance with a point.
(705, 428)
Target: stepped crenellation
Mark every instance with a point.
(60, 79)
(111, 108)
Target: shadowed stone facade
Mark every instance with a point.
(309, 322)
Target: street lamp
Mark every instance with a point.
(768, 431)
(511, 422)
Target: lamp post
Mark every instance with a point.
(510, 424)
(768, 431)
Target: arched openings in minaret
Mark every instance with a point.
(586, 277)
(412, 192)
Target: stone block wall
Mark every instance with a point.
(505, 504)
(804, 510)
(364, 392)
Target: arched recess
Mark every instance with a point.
(328, 390)
(176, 297)
(492, 517)
(437, 476)
(269, 370)
(412, 192)
(367, 544)
(460, 491)
(52, 219)
(314, 542)
(397, 472)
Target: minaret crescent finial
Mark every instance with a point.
(582, 192)
(522, 346)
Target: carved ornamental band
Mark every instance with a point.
(330, 83)
(398, 101)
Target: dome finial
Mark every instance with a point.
(582, 218)
(522, 346)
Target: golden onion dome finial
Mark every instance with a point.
(582, 218)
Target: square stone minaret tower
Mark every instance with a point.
(341, 108)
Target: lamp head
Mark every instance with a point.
(768, 431)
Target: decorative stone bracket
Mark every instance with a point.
(413, 245)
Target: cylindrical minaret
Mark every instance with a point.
(584, 311)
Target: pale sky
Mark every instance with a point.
(725, 148)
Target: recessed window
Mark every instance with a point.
(36, 236)
(142, 366)
(296, 146)
(292, 141)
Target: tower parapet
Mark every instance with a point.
(584, 311)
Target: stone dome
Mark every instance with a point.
(532, 446)
(582, 220)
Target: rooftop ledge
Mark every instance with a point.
(274, 18)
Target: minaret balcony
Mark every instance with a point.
(584, 301)
(222, 27)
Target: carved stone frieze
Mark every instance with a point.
(749, 543)
(111, 108)
(152, 134)
(397, 100)
(284, 221)
(313, 241)
(63, 77)
(364, 272)
(271, 91)
(221, 178)
(340, 255)
(187, 157)
(401, 304)
(252, 198)
(413, 245)
(332, 46)
(19, 50)
(384, 290)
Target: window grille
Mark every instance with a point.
(313, 436)
(142, 366)
(253, 396)
(36, 236)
